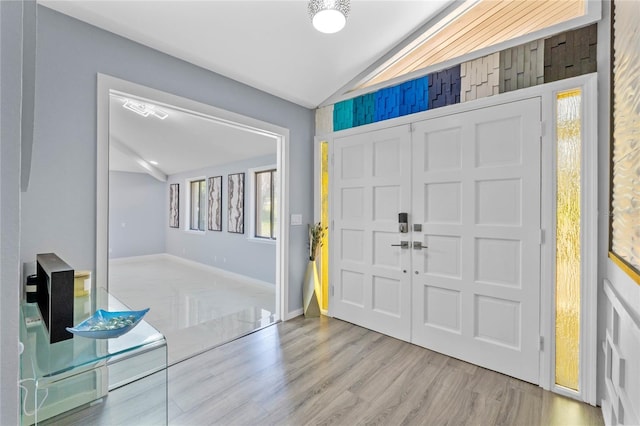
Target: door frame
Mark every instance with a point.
(107, 83)
(588, 309)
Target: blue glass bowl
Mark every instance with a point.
(108, 325)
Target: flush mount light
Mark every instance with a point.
(329, 16)
(144, 110)
(155, 163)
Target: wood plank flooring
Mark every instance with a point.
(326, 371)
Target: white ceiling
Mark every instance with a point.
(182, 142)
(269, 45)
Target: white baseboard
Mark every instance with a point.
(293, 314)
(194, 264)
(131, 259)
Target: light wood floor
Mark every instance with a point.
(325, 371)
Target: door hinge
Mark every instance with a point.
(541, 237)
(542, 128)
(331, 291)
(332, 224)
(412, 128)
(541, 343)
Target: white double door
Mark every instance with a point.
(465, 279)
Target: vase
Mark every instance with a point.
(310, 291)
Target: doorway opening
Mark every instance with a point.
(183, 248)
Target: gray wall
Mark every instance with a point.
(10, 106)
(137, 214)
(224, 250)
(58, 210)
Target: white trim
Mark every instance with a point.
(330, 233)
(589, 243)
(547, 248)
(620, 303)
(588, 239)
(317, 203)
(192, 263)
(107, 84)
(317, 195)
(282, 243)
(194, 231)
(258, 240)
(293, 314)
(593, 13)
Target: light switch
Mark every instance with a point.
(296, 219)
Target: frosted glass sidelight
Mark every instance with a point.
(568, 145)
(324, 218)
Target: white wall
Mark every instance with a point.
(137, 214)
(232, 252)
(622, 298)
(620, 349)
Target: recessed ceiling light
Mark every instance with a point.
(155, 163)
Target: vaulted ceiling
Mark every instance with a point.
(272, 46)
(269, 45)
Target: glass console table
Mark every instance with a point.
(90, 381)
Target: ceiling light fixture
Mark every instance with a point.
(329, 16)
(144, 109)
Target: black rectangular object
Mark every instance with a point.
(55, 295)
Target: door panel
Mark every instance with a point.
(373, 185)
(468, 284)
(476, 294)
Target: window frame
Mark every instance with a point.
(202, 205)
(253, 204)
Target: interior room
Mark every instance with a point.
(422, 213)
(202, 294)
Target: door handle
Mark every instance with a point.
(417, 245)
(403, 244)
